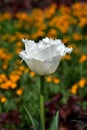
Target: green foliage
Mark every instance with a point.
(36, 124)
(54, 124)
(34, 121)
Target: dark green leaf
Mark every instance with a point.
(34, 122)
(54, 124)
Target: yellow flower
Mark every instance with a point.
(56, 80)
(21, 68)
(14, 78)
(52, 33)
(77, 6)
(66, 40)
(7, 16)
(77, 36)
(49, 12)
(22, 16)
(17, 72)
(12, 39)
(19, 44)
(3, 99)
(20, 36)
(13, 85)
(60, 22)
(67, 57)
(3, 77)
(19, 92)
(49, 79)
(32, 74)
(74, 88)
(83, 58)
(82, 83)
(38, 33)
(83, 21)
(1, 80)
(18, 50)
(64, 9)
(26, 70)
(8, 84)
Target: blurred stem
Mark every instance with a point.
(42, 117)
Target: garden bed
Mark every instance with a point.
(66, 89)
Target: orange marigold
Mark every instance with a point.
(49, 79)
(32, 74)
(83, 58)
(19, 92)
(3, 99)
(82, 82)
(74, 88)
(56, 80)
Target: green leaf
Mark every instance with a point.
(34, 122)
(54, 124)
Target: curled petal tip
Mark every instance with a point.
(70, 50)
(24, 41)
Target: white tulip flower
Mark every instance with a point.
(44, 57)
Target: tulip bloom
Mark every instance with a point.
(43, 57)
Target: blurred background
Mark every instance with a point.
(66, 89)
(15, 5)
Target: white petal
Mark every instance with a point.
(30, 46)
(43, 67)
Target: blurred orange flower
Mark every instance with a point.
(82, 83)
(83, 58)
(19, 92)
(3, 99)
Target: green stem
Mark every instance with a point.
(42, 117)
